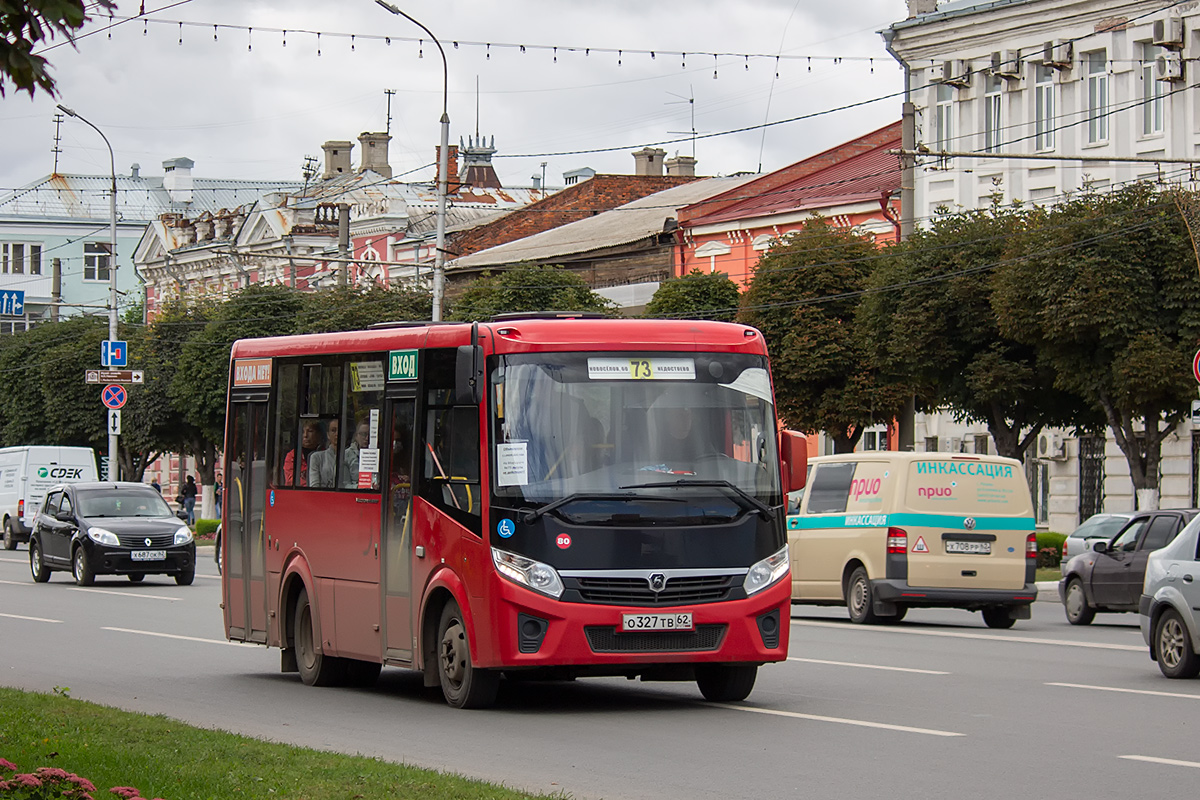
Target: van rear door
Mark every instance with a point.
(968, 519)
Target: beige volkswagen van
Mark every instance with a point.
(883, 532)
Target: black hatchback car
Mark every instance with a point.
(109, 529)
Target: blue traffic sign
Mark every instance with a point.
(12, 303)
(114, 353)
(114, 395)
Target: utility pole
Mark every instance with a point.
(389, 93)
(343, 242)
(55, 288)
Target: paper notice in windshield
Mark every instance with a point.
(512, 464)
(643, 369)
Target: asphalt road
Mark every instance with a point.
(938, 706)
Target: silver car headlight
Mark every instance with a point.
(527, 572)
(101, 536)
(183, 536)
(766, 572)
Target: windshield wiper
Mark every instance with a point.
(531, 516)
(750, 502)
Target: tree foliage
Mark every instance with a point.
(696, 296)
(350, 308)
(526, 287)
(26, 23)
(804, 297)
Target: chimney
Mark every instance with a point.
(452, 182)
(648, 161)
(337, 159)
(177, 179)
(374, 155)
(133, 170)
(681, 165)
(918, 7)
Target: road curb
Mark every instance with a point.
(1048, 591)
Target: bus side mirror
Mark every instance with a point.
(468, 375)
(793, 457)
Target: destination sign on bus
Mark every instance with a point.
(645, 369)
(402, 365)
(252, 372)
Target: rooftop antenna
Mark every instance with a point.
(58, 121)
(477, 106)
(389, 93)
(691, 101)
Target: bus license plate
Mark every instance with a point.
(976, 548)
(656, 622)
(148, 555)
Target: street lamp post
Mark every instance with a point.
(439, 255)
(112, 266)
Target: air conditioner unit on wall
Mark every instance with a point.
(956, 73)
(1168, 67)
(1051, 446)
(1007, 64)
(1168, 33)
(1058, 54)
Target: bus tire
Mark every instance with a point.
(316, 668)
(859, 601)
(361, 674)
(463, 684)
(726, 683)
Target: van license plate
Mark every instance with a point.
(975, 548)
(148, 555)
(656, 622)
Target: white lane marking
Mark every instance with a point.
(958, 635)
(30, 619)
(122, 594)
(839, 720)
(1126, 691)
(1171, 761)
(210, 577)
(16, 560)
(17, 583)
(177, 636)
(868, 666)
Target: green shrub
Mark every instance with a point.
(207, 527)
(1049, 546)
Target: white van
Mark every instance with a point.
(883, 532)
(25, 475)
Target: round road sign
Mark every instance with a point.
(114, 395)
(1196, 365)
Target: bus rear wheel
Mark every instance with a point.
(726, 683)
(316, 668)
(463, 684)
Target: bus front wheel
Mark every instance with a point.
(316, 668)
(463, 684)
(726, 683)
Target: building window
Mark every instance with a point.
(1043, 112)
(95, 261)
(991, 114)
(981, 444)
(944, 118)
(19, 258)
(931, 444)
(1152, 92)
(1097, 97)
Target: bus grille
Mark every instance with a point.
(636, 591)
(606, 639)
(157, 540)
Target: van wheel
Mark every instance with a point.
(463, 684)
(726, 683)
(859, 600)
(316, 668)
(81, 569)
(998, 617)
(10, 537)
(41, 573)
(1176, 658)
(1078, 610)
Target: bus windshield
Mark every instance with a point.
(599, 423)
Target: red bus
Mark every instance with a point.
(533, 497)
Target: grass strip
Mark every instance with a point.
(166, 758)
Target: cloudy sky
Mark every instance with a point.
(243, 104)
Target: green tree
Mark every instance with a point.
(1108, 292)
(349, 308)
(695, 296)
(26, 24)
(526, 287)
(930, 321)
(804, 298)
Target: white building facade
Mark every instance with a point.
(1068, 86)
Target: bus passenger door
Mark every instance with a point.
(397, 527)
(244, 586)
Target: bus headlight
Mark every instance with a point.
(183, 536)
(527, 572)
(766, 572)
(101, 536)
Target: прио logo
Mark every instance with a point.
(658, 582)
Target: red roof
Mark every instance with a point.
(858, 170)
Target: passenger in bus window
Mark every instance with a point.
(321, 464)
(362, 438)
(311, 440)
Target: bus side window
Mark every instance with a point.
(450, 457)
(287, 418)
